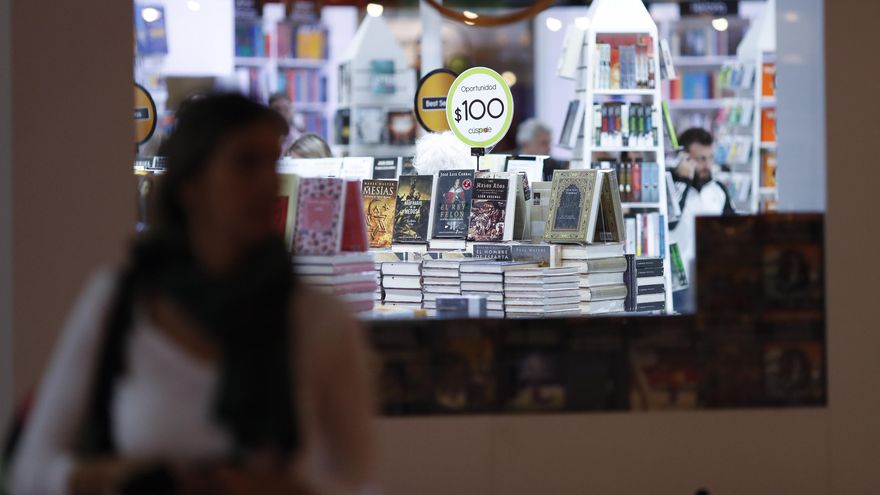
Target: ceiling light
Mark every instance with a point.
(554, 24)
(470, 23)
(150, 14)
(193, 5)
(791, 16)
(469, 14)
(720, 24)
(375, 9)
(582, 23)
(509, 78)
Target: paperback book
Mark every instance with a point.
(452, 210)
(492, 208)
(413, 209)
(380, 198)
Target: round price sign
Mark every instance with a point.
(479, 107)
(144, 115)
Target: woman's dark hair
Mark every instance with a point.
(201, 126)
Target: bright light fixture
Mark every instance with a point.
(375, 9)
(720, 24)
(554, 24)
(470, 23)
(469, 14)
(509, 78)
(193, 5)
(582, 23)
(150, 14)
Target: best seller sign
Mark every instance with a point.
(479, 107)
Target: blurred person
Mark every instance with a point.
(309, 145)
(534, 137)
(204, 366)
(698, 194)
(281, 103)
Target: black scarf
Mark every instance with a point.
(244, 311)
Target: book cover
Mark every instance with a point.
(545, 255)
(369, 125)
(354, 225)
(488, 215)
(385, 168)
(343, 126)
(401, 128)
(319, 216)
(571, 199)
(380, 199)
(499, 252)
(413, 209)
(382, 77)
(452, 206)
(610, 227)
(407, 167)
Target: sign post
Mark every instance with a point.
(479, 108)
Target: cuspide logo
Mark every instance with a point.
(479, 130)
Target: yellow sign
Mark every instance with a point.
(144, 115)
(430, 101)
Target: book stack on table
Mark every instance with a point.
(486, 278)
(349, 276)
(402, 284)
(601, 270)
(646, 281)
(440, 277)
(539, 292)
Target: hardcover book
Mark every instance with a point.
(499, 252)
(286, 207)
(571, 202)
(354, 225)
(490, 210)
(413, 210)
(319, 216)
(545, 255)
(452, 209)
(380, 198)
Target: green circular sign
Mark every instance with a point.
(479, 107)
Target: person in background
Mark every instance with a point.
(698, 194)
(309, 145)
(204, 366)
(534, 137)
(281, 103)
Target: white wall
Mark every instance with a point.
(800, 111)
(200, 43)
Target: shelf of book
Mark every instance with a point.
(251, 61)
(702, 61)
(700, 104)
(301, 63)
(619, 54)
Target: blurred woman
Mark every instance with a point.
(204, 366)
(309, 145)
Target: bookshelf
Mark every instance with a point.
(747, 134)
(618, 19)
(288, 56)
(375, 95)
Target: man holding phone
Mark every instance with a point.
(698, 194)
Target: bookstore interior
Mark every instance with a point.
(481, 185)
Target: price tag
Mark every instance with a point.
(479, 107)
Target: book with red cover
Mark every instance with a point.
(354, 226)
(319, 217)
(636, 177)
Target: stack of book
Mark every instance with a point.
(536, 292)
(402, 284)
(486, 278)
(646, 283)
(349, 276)
(440, 277)
(601, 268)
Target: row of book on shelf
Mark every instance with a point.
(303, 85)
(616, 124)
(292, 40)
(624, 61)
(702, 41)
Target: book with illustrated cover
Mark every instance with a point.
(382, 77)
(401, 128)
(286, 207)
(380, 198)
(407, 167)
(610, 227)
(413, 210)
(343, 126)
(464, 369)
(452, 206)
(498, 252)
(369, 125)
(572, 205)
(319, 218)
(793, 371)
(492, 210)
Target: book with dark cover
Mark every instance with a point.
(452, 206)
(401, 128)
(545, 255)
(794, 371)
(609, 227)
(413, 209)
(499, 252)
(531, 377)
(380, 198)
(385, 168)
(406, 166)
(630, 280)
(343, 126)
(489, 205)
